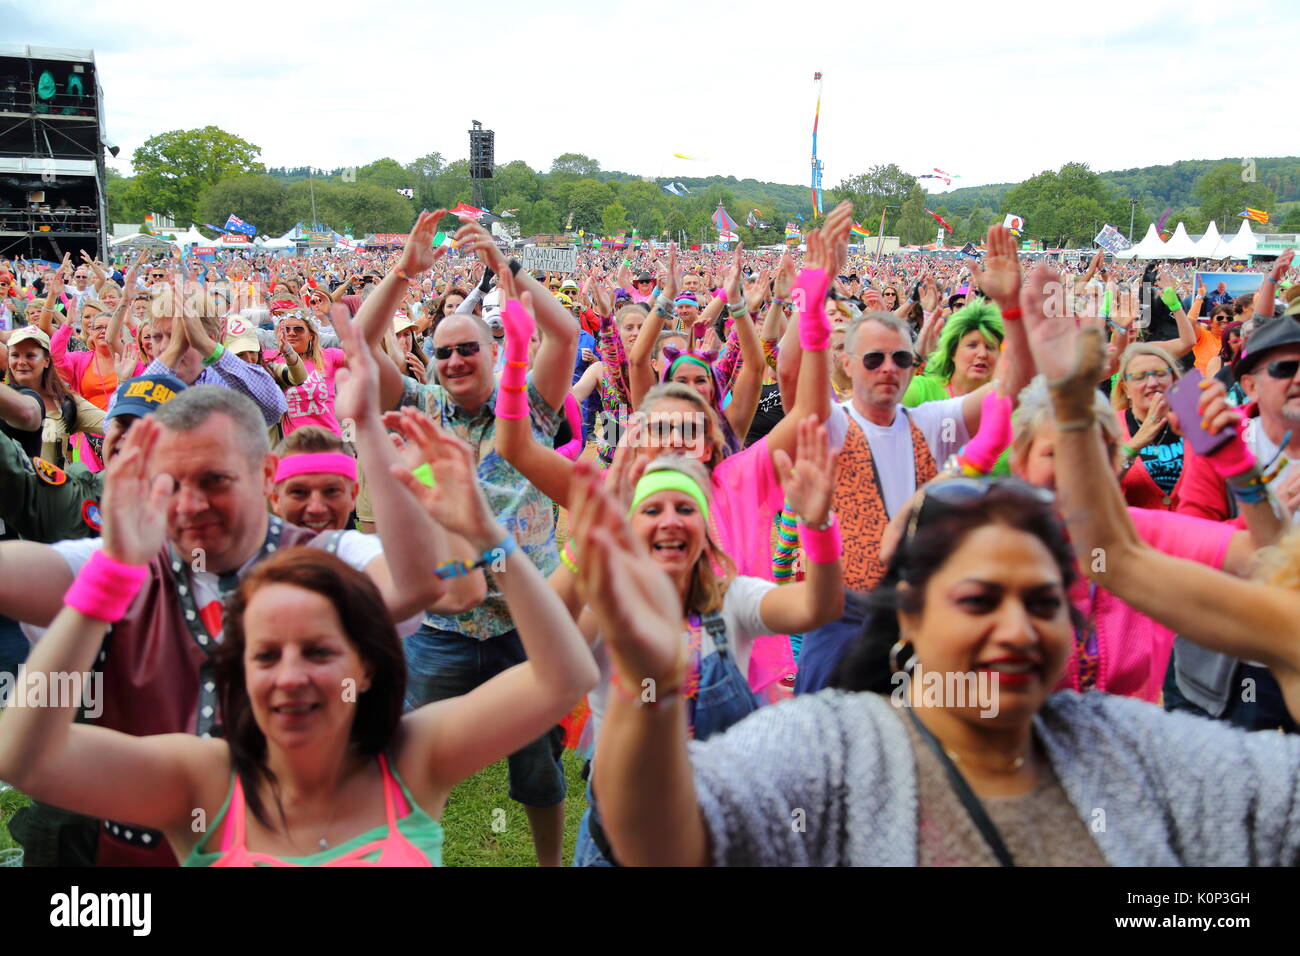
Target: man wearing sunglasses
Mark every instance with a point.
(1269, 372)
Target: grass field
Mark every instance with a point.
(467, 821)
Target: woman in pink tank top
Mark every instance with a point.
(316, 763)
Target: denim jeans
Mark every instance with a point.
(443, 664)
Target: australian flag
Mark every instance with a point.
(235, 224)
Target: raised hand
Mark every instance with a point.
(784, 276)
(356, 394)
(456, 500)
(1281, 266)
(1000, 277)
(472, 237)
(125, 361)
(1054, 336)
(134, 504)
(810, 482)
(418, 255)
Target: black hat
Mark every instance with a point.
(643, 277)
(1272, 334)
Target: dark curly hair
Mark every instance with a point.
(940, 530)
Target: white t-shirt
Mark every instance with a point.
(740, 612)
(942, 423)
(1266, 452)
(354, 548)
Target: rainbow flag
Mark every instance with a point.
(1254, 215)
(857, 230)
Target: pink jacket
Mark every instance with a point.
(71, 366)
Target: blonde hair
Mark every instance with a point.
(713, 570)
(1035, 410)
(676, 391)
(1118, 394)
(1279, 564)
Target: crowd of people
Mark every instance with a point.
(813, 557)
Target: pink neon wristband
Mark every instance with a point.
(821, 547)
(994, 435)
(105, 588)
(810, 298)
(519, 327)
(318, 463)
(1232, 458)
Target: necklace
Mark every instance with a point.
(1016, 764)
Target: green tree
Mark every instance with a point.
(257, 199)
(126, 203)
(364, 207)
(1067, 206)
(539, 218)
(587, 201)
(1223, 193)
(573, 166)
(870, 192)
(427, 166)
(173, 168)
(385, 172)
(517, 177)
(613, 219)
(675, 221)
(1291, 221)
(915, 225)
(639, 197)
(650, 224)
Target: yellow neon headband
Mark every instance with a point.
(669, 480)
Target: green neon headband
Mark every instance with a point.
(688, 358)
(669, 480)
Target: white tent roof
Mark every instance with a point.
(284, 242)
(1208, 246)
(1180, 245)
(1244, 243)
(191, 237)
(1151, 247)
(137, 238)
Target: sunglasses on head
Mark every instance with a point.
(1283, 368)
(955, 493)
(873, 360)
(463, 349)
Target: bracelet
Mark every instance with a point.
(1012, 314)
(397, 271)
(821, 545)
(219, 351)
(566, 557)
(781, 303)
(455, 569)
(1128, 450)
(659, 695)
(105, 588)
(738, 311)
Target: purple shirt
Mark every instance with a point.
(230, 371)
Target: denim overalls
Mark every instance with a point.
(724, 698)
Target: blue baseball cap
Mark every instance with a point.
(143, 395)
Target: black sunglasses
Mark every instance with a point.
(464, 349)
(951, 493)
(873, 360)
(1283, 368)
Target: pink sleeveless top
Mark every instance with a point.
(391, 849)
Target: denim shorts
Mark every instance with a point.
(443, 664)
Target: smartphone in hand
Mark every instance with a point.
(1184, 396)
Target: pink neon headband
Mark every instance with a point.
(329, 463)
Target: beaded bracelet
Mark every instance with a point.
(566, 557)
(456, 569)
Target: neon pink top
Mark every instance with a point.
(312, 402)
(393, 848)
(747, 497)
(1133, 649)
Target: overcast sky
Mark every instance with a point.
(992, 92)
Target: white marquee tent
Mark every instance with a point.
(1180, 245)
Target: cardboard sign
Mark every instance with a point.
(550, 260)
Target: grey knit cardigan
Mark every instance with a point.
(830, 780)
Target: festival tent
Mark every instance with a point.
(1150, 247)
(1180, 245)
(191, 237)
(287, 241)
(138, 240)
(1211, 245)
(1244, 243)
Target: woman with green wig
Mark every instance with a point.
(964, 359)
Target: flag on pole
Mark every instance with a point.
(857, 229)
(1015, 223)
(725, 236)
(465, 212)
(442, 239)
(1254, 215)
(235, 224)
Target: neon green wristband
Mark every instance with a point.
(219, 351)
